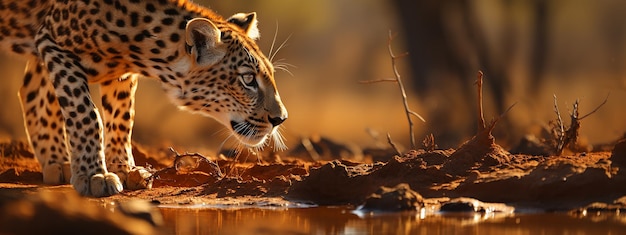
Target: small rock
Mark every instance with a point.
(531, 145)
(472, 205)
(399, 198)
(458, 205)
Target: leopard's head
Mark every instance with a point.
(231, 80)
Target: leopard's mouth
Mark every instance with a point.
(248, 133)
(244, 128)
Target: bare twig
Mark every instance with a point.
(429, 143)
(416, 115)
(379, 80)
(187, 162)
(308, 145)
(558, 131)
(481, 115)
(507, 110)
(408, 111)
(596, 109)
(393, 145)
(567, 136)
(174, 151)
(398, 80)
(403, 92)
(571, 133)
(479, 86)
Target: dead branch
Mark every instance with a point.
(506, 111)
(481, 117)
(187, 162)
(416, 115)
(174, 151)
(562, 136)
(429, 143)
(393, 145)
(403, 92)
(571, 133)
(398, 80)
(379, 80)
(596, 109)
(558, 130)
(308, 145)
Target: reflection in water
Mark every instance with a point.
(341, 220)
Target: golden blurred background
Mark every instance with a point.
(529, 50)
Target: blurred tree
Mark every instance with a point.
(449, 40)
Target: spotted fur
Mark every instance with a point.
(206, 64)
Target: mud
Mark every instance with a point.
(464, 179)
(479, 169)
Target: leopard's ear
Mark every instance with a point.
(247, 22)
(203, 41)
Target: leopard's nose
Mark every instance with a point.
(275, 121)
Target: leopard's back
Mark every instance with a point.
(19, 23)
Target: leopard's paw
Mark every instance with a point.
(98, 185)
(56, 173)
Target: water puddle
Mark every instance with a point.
(306, 219)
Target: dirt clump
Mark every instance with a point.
(479, 153)
(336, 182)
(479, 169)
(399, 198)
(464, 204)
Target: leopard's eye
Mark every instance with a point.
(249, 81)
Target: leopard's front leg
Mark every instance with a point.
(82, 121)
(118, 102)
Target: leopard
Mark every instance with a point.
(206, 64)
